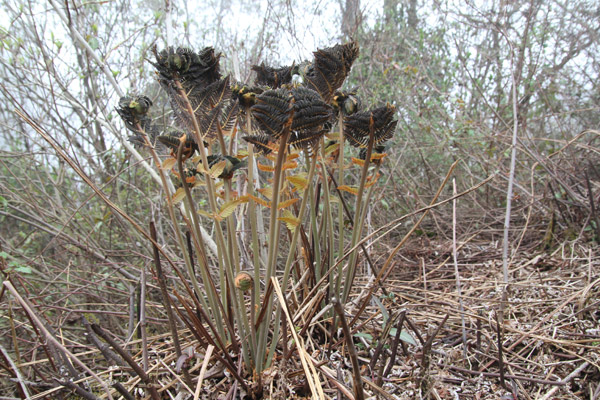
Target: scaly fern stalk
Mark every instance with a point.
(274, 225)
(255, 296)
(341, 227)
(328, 220)
(341, 173)
(171, 211)
(192, 215)
(224, 259)
(292, 255)
(253, 219)
(255, 227)
(245, 329)
(314, 229)
(365, 209)
(350, 270)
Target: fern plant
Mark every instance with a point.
(279, 181)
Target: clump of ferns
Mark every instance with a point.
(280, 120)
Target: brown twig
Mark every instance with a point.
(167, 302)
(500, 354)
(424, 381)
(122, 391)
(16, 371)
(593, 216)
(383, 338)
(395, 344)
(142, 318)
(128, 359)
(566, 380)
(357, 381)
(205, 339)
(415, 330)
(596, 394)
(49, 337)
(108, 354)
(478, 336)
(388, 262)
(507, 376)
(79, 390)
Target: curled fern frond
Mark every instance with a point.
(379, 149)
(262, 143)
(210, 122)
(246, 95)
(357, 126)
(194, 78)
(311, 114)
(229, 116)
(273, 77)
(191, 68)
(210, 96)
(272, 111)
(207, 104)
(306, 140)
(133, 110)
(329, 68)
(346, 102)
(172, 141)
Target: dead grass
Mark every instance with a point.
(550, 336)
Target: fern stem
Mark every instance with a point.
(358, 213)
(224, 260)
(291, 256)
(341, 172)
(200, 247)
(340, 183)
(273, 239)
(327, 217)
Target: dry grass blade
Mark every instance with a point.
(311, 376)
(207, 356)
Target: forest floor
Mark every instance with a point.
(549, 329)
(550, 332)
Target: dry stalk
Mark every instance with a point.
(128, 359)
(424, 379)
(14, 367)
(388, 262)
(567, 379)
(499, 319)
(49, 337)
(357, 381)
(143, 318)
(78, 389)
(455, 257)
(312, 377)
(166, 301)
(207, 356)
(395, 344)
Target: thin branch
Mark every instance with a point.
(357, 381)
(48, 336)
